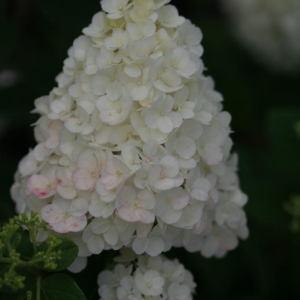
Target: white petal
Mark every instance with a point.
(186, 147)
(78, 207)
(78, 265)
(155, 246)
(170, 166)
(165, 124)
(52, 213)
(139, 246)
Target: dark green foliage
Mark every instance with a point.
(61, 287)
(25, 267)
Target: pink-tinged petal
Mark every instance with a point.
(180, 199)
(76, 224)
(52, 142)
(37, 181)
(52, 214)
(39, 185)
(145, 216)
(63, 176)
(84, 180)
(128, 214)
(53, 130)
(60, 227)
(114, 173)
(147, 199)
(212, 154)
(40, 192)
(110, 181)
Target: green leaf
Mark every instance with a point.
(69, 253)
(25, 247)
(61, 287)
(16, 240)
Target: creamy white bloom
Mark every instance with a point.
(115, 8)
(136, 207)
(114, 112)
(66, 215)
(133, 148)
(168, 16)
(152, 278)
(170, 204)
(161, 115)
(164, 176)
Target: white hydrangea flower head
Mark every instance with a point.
(270, 29)
(133, 148)
(150, 278)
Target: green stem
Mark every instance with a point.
(8, 245)
(5, 260)
(38, 288)
(34, 261)
(22, 263)
(33, 238)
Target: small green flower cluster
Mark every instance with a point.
(11, 258)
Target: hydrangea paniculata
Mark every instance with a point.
(151, 278)
(133, 145)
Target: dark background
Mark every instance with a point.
(34, 38)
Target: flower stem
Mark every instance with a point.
(38, 288)
(22, 263)
(33, 238)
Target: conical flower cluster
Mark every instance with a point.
(133, 146)
(152, 278)
(270, 29)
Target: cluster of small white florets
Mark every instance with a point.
(152, 278)
(270, 29)
(133, 147)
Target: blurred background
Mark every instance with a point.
(35, 36)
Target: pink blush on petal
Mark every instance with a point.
(40, 192)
